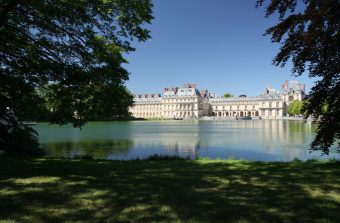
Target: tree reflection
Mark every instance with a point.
(99, 149)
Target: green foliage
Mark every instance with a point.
(73, 47)
(228, 95)
(83, 157)
(295, 108)
(16, 138)
(309, 36)
(65, 57)
(156, 157)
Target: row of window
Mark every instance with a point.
(272, 112)
(234, 113)
(234, 102)
(147, 106)
(148, 114)
(147, 102)
(145, 109)
(271, 104)
(165, 106)
(231, 107)
(179, 100)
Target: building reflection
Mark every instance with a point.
(264, 140)
(98, 149)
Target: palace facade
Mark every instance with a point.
(188, 102)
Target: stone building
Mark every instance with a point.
(185, 102)
(147, 106)
(292, 90)
(267, 105)
(188, 102)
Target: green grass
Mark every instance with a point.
(51, 190)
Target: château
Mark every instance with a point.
(188, 102)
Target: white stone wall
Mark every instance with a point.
(195, 107)
(147, 108)
(232, 107)
(272, 108)
(181, 106)
(187, 102)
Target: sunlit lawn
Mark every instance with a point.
(46, 190)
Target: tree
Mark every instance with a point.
(242, 96)
(295, 108)
(309, 36)
(228, 95)
(69, 54)
(16, 138)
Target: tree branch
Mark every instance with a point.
(5, 10)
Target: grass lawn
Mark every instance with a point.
(52, 190)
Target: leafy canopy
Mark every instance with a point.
(75, 48)
(228, 95)
(310, 38)
(68, 54)
(295, 108)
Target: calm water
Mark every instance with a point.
(263, 140)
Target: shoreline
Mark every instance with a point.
(204, 118)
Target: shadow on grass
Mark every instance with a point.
(169, 191)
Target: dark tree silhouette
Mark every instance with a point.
(309, 36)
(68, 54)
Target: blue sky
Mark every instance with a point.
(217, 44)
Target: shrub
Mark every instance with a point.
(156, 157)
(17, 138)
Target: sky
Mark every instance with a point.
(217, 44)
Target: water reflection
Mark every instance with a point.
(264, 140)
(99, 149)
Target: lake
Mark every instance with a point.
(260, 140)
